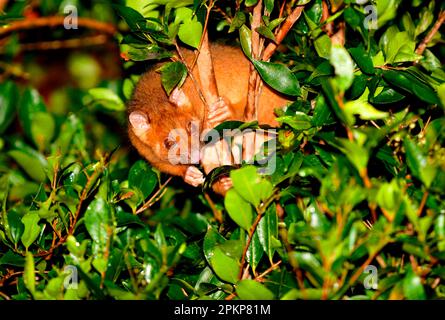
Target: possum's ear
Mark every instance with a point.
(139, 122)
(180, 99)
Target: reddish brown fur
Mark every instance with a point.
(232, 73)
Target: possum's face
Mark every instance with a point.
(171, 137)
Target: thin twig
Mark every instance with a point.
(283, 31)
(360, 270)
(84, 196)
(422, 203)
(5, 296)
(204, 36)
(269, 270)
(422, 46)
(283, 5)
(328, 26)
(249, 240)
(152, 200)
(96, 40)
(225, 15)
(216, 213)
(190, 73)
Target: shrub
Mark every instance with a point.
(354, 209)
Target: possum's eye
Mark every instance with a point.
(169, 143)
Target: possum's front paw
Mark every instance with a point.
(222, 185)
(219, 111)
(193, 176)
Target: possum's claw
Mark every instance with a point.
(218, 112)
(193, 176)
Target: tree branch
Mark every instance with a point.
(283, 31)
(3, 4)
(56, 21)
(250, 113)
(249, 240)
(96, 40)
(206, 71)
(422, 46)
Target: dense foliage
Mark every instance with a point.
(354, 210)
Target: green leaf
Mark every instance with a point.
(248, 183)
(142, 178)
(330, 94)
(239, 209)
(133, 18)
(42, 129)
(268, 232)
(387, 96)
(254, 252)
(106, 98)
(150, 52)
(32, 228)
(323, 46)
(426, 18)
(250, 3)
(173, 74)
(68, 130)
(238, 21)
(252, 290)
(389, 196)
(412, 286)
(12, 259)
(245, 35)
(32, 162)
(398, 46)
(269, 4)
(387, 10)
(278, 76)
(265, 32)
(226, 268)
(29, 275)
(211, 240)
(441, 94)
(357, 154)
(190, 33)
(417, 162)
(98, 222)
(309, 262)
(30, 104)
(322, 113)
(8, 100)
(343, 65)
(411, 84)
(299, 121)
(364, 110)
(15, 227)
(362, 59)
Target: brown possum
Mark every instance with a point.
(161, 127)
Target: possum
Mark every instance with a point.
(161, 127)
